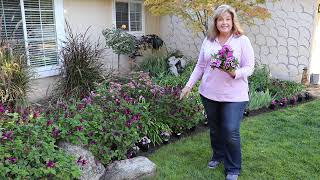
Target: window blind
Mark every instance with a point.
(40, 28)
(11, 20)
(41, 33)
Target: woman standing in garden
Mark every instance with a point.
(225, 62)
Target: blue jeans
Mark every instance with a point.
(224, 122)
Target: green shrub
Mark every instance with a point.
(15, 76)
(81, 66)
(111, 121)
(28, 149)
(120, 42)
(138, 85)
(262, 88)
(125, 116)
(259, 99)
(192, 105)
(154, 63)
(179, 115)
(163, 111)
(260, 79)
(146, 42)
(106, 123)
(166, 79)
(284, 89)
(166, 107)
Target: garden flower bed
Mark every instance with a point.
(111, 122)
(122, 115)
(121, 118)
(277, 105)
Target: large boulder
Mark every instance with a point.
(136, 168)
(91, 169)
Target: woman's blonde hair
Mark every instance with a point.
(213, 32)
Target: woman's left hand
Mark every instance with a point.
(231, 73)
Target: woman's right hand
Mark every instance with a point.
(185, 92)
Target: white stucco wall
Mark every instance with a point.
(178, 37)
(282, 42)
(97, 14)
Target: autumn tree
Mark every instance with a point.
(197, 13)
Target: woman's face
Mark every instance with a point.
(224, 23)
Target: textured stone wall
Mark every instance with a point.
(178, 37)
(282, 42)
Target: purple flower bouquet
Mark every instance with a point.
(224, 59)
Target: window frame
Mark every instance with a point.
(50, 70)
(59, 33)
(114, 21)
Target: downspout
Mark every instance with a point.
(315, 50)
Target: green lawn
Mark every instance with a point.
(280, 145)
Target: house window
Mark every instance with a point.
(32, 22)
(11, 20)
(41, 32)
(129, 15)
